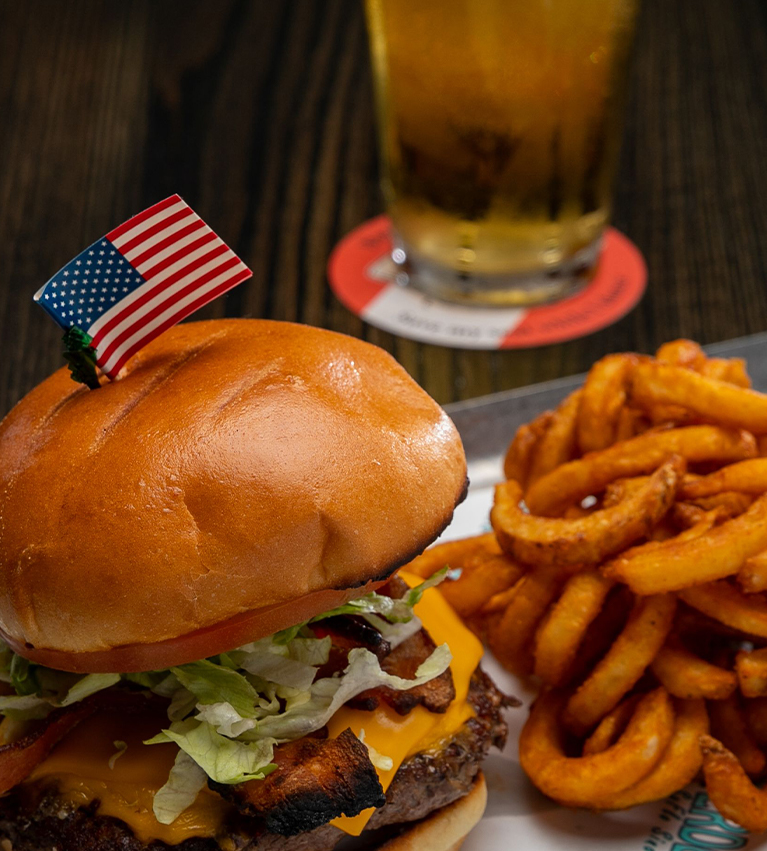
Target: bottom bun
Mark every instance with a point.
(446, 829)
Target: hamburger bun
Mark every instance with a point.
(446, 828)
(234, 465)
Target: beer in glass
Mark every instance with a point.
(499, 128)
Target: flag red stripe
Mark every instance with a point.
(179, 315)
(142, 217)
(156, 228)
(162, 306)
(167, 242)
(154, 291)
(174, 258)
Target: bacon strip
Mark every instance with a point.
(346, 633)
(316, 780)
(18, 759)
(404, 661)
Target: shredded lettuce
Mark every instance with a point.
(23, 677)
(147, 679)
(311, 710)
(181, 704)
(395, 611)
(273, 663)
(168, 684)
(24, 707)
(328, 695)
(224, 760)
(311, 651)
(394, 633)
(227, 713)
(185, 781)
(120, 747)
(211, 683)
(89, 685)
(225, 719)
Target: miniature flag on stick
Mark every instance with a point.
(139, 280)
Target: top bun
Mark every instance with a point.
(235, 464)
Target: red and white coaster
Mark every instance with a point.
(361, 274)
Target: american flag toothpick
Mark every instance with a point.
(140, 279)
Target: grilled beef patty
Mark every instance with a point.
(424, 782)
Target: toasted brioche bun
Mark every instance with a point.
(235, 465)
(445, 829)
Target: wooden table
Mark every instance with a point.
(259, 113)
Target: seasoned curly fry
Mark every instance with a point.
(476, 585)
(732, 371)
(602, 400)
(687, 516)
(516, 464)
(701, 521)
(601, 633)
(709, 398)
(485, 570)
(577, 479)
(755, 711)
(467, 551)
(666, 416)
(576, 512)
(746, 477)
(497, 604)
(751, 668)
(611, 727)
(625, 662)
(679, 765)
(620, 490)
(722, 507)
(511, 637)
(682, 353)
(689, 354)
(728, 724)
(685, 675)
(730, 789)
(557, 444)
(663, 531)
(724, 603)
(561, 633)
(545, 540)
(584, 781)
(752, 577)
(631, 422)
(729, 503)
(718, 553)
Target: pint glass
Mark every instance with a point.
(499, 128)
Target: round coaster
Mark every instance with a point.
(361, 274)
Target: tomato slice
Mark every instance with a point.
(208, 641)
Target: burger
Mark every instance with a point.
(206, 640)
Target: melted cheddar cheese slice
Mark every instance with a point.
(399, 736)
(79, 765)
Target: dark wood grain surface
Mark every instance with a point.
(259, 112)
